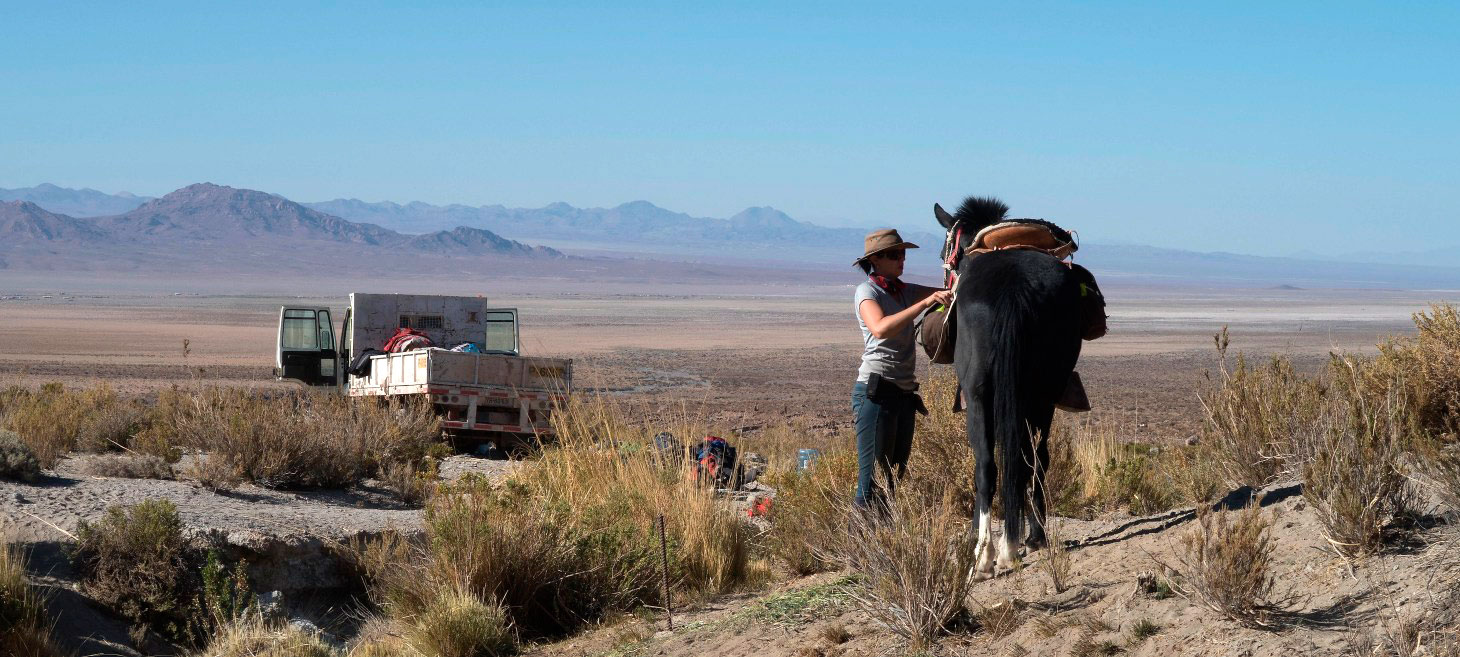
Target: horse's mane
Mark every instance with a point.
(978, 212)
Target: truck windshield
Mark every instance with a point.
(300, 331)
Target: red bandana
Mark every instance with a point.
(892, 285)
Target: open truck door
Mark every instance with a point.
(305, 349)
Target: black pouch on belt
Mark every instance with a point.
(874, 386)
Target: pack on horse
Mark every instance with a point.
(1019, 311)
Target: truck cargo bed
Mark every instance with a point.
(517, 400)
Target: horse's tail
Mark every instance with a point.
(1010, 328)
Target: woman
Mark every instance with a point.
(885, 398)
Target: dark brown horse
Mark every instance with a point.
(1018, 337)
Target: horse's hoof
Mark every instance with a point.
(1035, 543)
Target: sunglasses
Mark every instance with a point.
(895, 254)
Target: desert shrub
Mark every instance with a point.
(1353, 472)
(54, 420)
(1442, 470)
(1251, 413)
(460, 624)
(916, 563)
(17, 461)
(25, 630)
(411, 481)
(1429, 364)
(1226, 564)
(136, 561)
(808, 517)
(942, 461)
(293, 440)
(570, 539)
(254, 636)
(127, 466)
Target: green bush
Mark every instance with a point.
(136, 562)
(17, 461)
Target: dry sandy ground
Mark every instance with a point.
(1330, 602)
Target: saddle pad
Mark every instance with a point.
(1026, 234)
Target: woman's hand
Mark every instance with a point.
(943, 297)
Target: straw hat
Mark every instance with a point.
(883, 240)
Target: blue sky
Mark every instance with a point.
(1268, 128)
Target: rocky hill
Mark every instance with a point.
(24, 221)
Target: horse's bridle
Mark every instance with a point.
(951, 253)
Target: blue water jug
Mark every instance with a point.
(805, 457)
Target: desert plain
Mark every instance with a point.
(740, 353)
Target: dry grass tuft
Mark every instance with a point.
(25, 631)
(572, 538)
(1251, 414)
(54, 420)
(1227, 564)
(459, 624)
(808, 517)
(1353, 467)
(1429, 364)
(916, 561)
(1002, 619)
(835, 633)
(1143, 629)
(127, 466)
(252, 636)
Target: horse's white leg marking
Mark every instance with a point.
(983, 552)
(1009, 552)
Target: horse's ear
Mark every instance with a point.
(943, 217)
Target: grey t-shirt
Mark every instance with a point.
(892, 357)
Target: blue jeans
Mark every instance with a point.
(884, 438)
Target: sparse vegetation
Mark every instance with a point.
(808, 519)
(1429, 366)
(806, 605)
(128, 466)
(25, 629)
(1143, 629)
(136, 561)
(1252, 412)
(293, 440)
(54, 420)
(916, 561)
(1353, 472)
(1226, 564)
(254, 636)
(569, 540)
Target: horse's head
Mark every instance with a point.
(976, 213)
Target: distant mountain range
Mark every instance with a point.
(206, 220)
(637, 226)
(206, 223)
(75, 202)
